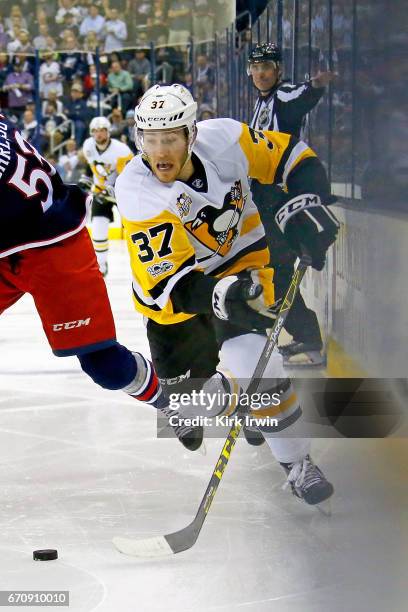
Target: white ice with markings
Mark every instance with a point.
(80, 466)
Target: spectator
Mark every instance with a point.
(16, 24)
(164, 70)
(14, 42)
(91, 42)
(203, 19)
(5, 69)
(51, 43)
(67, 8)
(120, 81)
(52, 96)
(3, 36)
(71, 62)
(68, 25)
(20, 85)
(90, 81)
(77, 110)
(179, 18)
(27, 63)
(23, 42)
(40, 41)
(206, 112)
(128, 135)
(157, 26)
(16, 17)
(29, 128)
(39, 18)
(93, 22)
(50, 76)
(139, 67)
(205, 71)
(141, 10)
(115, 31)
(45, 10)
(118, 124)
(92, 100)
(141, 39)
(68, 162)
(50, 123)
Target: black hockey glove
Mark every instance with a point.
(240, 300)
(85, 182)
(304, 220)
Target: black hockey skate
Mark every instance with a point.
(307, 482)
(297, 354)
(253, 436)
(190, 437)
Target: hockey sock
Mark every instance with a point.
(145, 386)
(112, 368)
(288, 450)
(100, 228)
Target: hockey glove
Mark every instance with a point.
(105, 195)
(304, 220)
(85, 182)
(241, 300)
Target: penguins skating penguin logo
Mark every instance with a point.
(217, 228)
(103, 169)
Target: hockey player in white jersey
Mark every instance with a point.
(106, 157)
(200, 261)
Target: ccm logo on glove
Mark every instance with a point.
(303, 202)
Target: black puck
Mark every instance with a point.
(47, 554)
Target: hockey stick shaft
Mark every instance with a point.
(235, 429)
(185, 538)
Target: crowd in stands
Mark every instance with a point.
(72, 39)
(67, 33)
(108, 24)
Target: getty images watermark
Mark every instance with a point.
(218, 400)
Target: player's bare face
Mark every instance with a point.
(101, 137)
(264, 75)
(167, 152)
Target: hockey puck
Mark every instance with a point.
(48, 554)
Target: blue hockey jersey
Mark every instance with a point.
(36, 207)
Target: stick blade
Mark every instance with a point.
(148, 547)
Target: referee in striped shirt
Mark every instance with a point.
(282, 106)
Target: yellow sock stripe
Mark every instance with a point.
(236, 391)
(274, 410)
(101, 246)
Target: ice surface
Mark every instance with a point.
(80, 465)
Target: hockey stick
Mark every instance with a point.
(185, 538)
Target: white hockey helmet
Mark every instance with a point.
(98, 123)
(165, 107)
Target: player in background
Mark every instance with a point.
(45, 250)
(282, 106)
(106, 157)
(199, 260)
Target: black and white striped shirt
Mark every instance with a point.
(284, 108)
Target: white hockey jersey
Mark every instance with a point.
(106, 165)
(207, 223)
